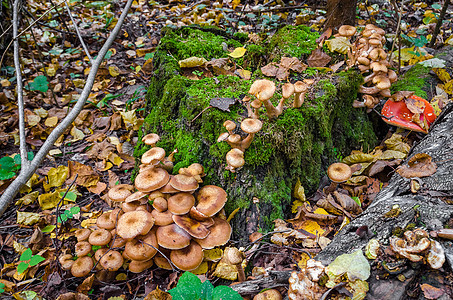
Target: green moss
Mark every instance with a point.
(415, 79)
(293, 41)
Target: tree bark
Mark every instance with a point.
(340, 12)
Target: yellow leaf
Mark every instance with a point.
(56, 177)
(321, 211)
(449, 41)
(235, 3)
(121, 277)
(345, 222)
(302, 263)
(392, 154)
(213, 254)
(201, 269)
(78, 82)
(51, 122)
(54, 152)
(244, 74)
(312, 227)
(27, 218)
(77, 134)
(442, 74)
(225, 271)
(33, 119)
(28, 199)
(41, 112)
(142, 51)
(49, 200)
(27, 187)
(5, 82)
(339, 44)
(192, 62)
(18, 247)
(448, 87)
(114, 71)
(115, 159)
(238, 52)
(52, 70)
(88, 223)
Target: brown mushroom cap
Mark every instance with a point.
(162, 218)
(131, 206)
(184, 183)
(112, 260)
(382, 82)
(120, 192)
(82, 248)
(263, 89)
(220, 235)
(234, 138)
(363, 60)
(172, 237)
(66, 262)
(116, 241)
(339, 172)
(82, 234)
(256, 103)
(100, 237)
(162, 262)
(191, 226)
(82, 266)
(300, 87)
(211, 199)
(115, 215)
(104, 221)
(271, 294)
(287, 90)
(347, 30)
(100, 253)
(188, 258)
(229, 125)
(139, 266)
(251, 125)
(134, 223)
(235, 158)
(160, 204)
(181, 203)
(151, 179)
(151, 139)
(137, 196)
(153, 156)
(377, 66)
(222, 137)
(143, 247)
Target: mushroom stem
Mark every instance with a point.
(255, 114)
(241, 273)
(331, 188)
(357, 103)
(272, 112)
(369, 90)
(298, 99)
(279, 107)
(250, 112)
(246, 142)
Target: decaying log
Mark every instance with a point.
(275, 279)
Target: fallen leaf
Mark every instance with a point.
(415, 105)
(222, 103)
(431, 292)
(27, 218)
(420, 165)
(192, 62)
(395, 142)
(56, 177)
(339, 44)
(318, 58)
(157, 294)
(238, 52)
(270, 69)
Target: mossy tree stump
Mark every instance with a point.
(300, 144)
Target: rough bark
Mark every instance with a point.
(340, 12)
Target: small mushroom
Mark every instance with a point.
(103, 221)
(151, 139)
(211, 200)
(120, 192)
(220, 234)
(229, 126)
(151, 179)
(263, 90)
(191, 226)
(172, 237)
(338, 173)
(160, 204)
(300, 88)
(82, 234)
(66, 261)
(184, 183)
(271, 294)
(143, 247)
(188, 258)
(234, 159)
(180, 203)
(82, 248)
(137, 266)
(162, 218)
(112, 260)
(82, 266)
(347, 30)
(134, 223)
(100, 237)
(153, 156)
(235, 257)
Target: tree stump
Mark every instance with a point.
(299, 144)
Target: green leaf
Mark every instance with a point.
(207, 290)
(30, 155)
(70, 196)
(62, 218)
(36, 259)
(223, 292)
(188, 287)
(22, 267)
(39, 84)
(48, 228)
(149, 55)
(4, 174)
(17, 159)
(7, 163)
(26, 255)
(75, 209)
(108, 54)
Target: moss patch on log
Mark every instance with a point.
(301, 143)
(415, 79)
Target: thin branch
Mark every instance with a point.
(78, 33)
(398, 27)
(6, 30)
(20, 100)
(27, 172)
(439, 24)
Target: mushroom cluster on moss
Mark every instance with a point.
(163, 219)
(369, 55)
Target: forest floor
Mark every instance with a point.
(100, 144)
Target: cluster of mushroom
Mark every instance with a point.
(369, 55)
(264, 89)
(168, 221)
(417, 246)
(235, 157)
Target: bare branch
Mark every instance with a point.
(27, 172)
(78, 33)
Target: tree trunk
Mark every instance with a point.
(340, 12)
(299, 144)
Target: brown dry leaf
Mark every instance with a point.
(86, 285)
(395, 142)
(113, 179)
(115, 121)
(98, 188)
(337, 66)
(324, 36)
(379, 166)
(318, 58)
(87, 177)
(415, 106)
(420, 165)
(431, 292)
(282, 74)
(270, 70)
(158, 295)
(101, 150)
(293, 63)
(222, 103)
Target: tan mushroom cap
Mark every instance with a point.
(151, 139)
(82, 248)
(116, 241)
(172, 237)
(103, 221)
(347, 30)
(112, 260)
(100, 237)
(263, 89)
(120, 192)
(143, 247)
(134, 223)
(235, 158)
(339, 172)
(300, 87)
(256, 103)
(160, 204)
(100, 253)
(66, 262)
(82, 234)
(363, 60)
(162, 218)
(251, 125)
(287, 90)
(82, 266)
(151, 179)
(168, 189)
(197, 215)
(229, 125)
(234, 138)
(188, 258)
(222, 137)
(162, 262)
(139, 266)
(271, 294)
(153, 156)
(191, 226)
(137, 196)
(181, 203)
(184, 183)
(193, 170)
(375, 42)
(211, 199)
(220, 234)
(131, 206)
(382, 82)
